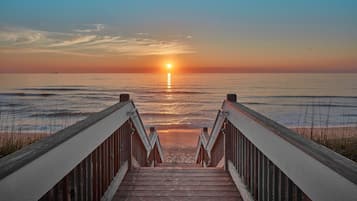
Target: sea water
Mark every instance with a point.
(50, 102)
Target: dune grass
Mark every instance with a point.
(11, 142)
(342, 140)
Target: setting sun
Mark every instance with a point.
(169, 66)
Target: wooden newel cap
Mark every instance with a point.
(152, 129)
(232, 97)
(124, 97)
(205, 129)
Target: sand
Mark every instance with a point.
(179, 145)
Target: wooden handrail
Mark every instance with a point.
(208, 144)
(156, 154)
(269, 161)
(201, 155)
(85, 161)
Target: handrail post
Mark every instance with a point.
(232, 97)
(124, 97)
(152, 130)
(203, 158)
(227, 136)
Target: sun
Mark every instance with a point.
(168, 66)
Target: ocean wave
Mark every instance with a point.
(94, 97)
(28, 94)
(254, 103)
(63, 114)
(304, 96)
(176, 92)
(301, 105)
(7, 104)
(69, 89)
(153, 114)
(177, 126)
(53, 89)
(349, 115)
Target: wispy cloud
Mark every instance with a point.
(142, 34)
(87, 43)
(18, 36)
(74, 41)
(90, 28)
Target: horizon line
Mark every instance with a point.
(222, 70)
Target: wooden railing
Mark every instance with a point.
(268, 161)
(156, 155)
(86, 161)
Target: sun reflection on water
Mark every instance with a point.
(169, 82)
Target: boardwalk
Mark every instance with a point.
(177, 183)
(110, 156)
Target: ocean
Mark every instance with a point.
(46, 103)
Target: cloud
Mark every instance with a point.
(19, 36)
(75, 41)
(96, 28)
(142, 34)
(19, 40)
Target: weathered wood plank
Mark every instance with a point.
(150, 183)
(178, 187)
(168, 183)
(179, 174)
(173, 198)
(175, 169)
(178, 193)
(182, 178)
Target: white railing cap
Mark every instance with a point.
(20, 158)
(342, 165)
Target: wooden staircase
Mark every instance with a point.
(177, 183)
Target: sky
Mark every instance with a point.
(195, 36)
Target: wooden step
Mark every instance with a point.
(207, 183)
(177, 183)
(176, 174)
(162, 169)
(178, 187)
(173, 198)
(173, 178)
(178, 193)
(179, 165)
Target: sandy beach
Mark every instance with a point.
(179, 145)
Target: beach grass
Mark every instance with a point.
(346, 147)
(342, 140)
(11, 142)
